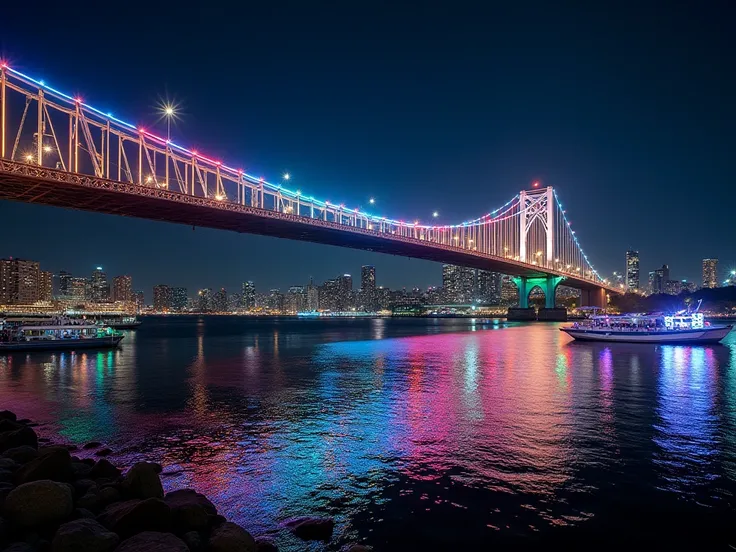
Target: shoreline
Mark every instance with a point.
(51, 499)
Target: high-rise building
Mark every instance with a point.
(731, 280)
(488, 287)
(19, 282)
(345, 292)
(248, 295)
(45, 285)
(204, 300)
(710, 273)
(78, 289)
(275, 300)
(458, 283)
(219, 301)
(295, 300)
(122, 289)
(673, 287)
(65, 285)
(162, 298)
(368, 287)
(658, 279)
(139, 299)
(509, 292)
(99, 288)
(632, 270)
(312, 297)
(179, 298)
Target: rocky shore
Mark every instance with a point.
(52, 500)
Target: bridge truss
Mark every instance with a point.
(45, 133)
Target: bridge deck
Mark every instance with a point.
(31, 184)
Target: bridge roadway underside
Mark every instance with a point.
(126, 200)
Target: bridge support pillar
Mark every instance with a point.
(595, 297)
(548, 285)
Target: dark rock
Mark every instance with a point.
(17, 438)
(109, 494)
(103, 468)
(158, 468)
(215, 521)
(71, 447)
(134, 516)
(265, 545)
(8, 415)
(83, 535)
(152, 541)
(91, 445)
(10, 425)
(83, 513)
(230, 537)
(80, 469)
(39, 502)
(52, 463)
(88, 461)
(190, 510)
(358, 548)
(44, 440)
(142, 481)
(8, 464)
(6, 476)
(308, 528)
(21, 454)
(81, 486)
(104, 452)
(20, 547)
(193, 540)
(91, 500)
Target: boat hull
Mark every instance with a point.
(107, 342)
(124, 325)
(705, 335)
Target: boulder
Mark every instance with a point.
(21, 454)
(152, 541)
(6, 476)
(91, 445)
(190, 510)
(91, 500)
(135, 516)
(8, 415)
(309, 528)
(17, 438)
(265, 545)
(104, 452)
(88, 461)
(104, 468)
(109, 494)
(8, 464)
(80, 470)
(230, 537)
(39, 502)
(142, 481)
(10, 425)
(83, 535)
(20, 547)
(52, 463)
(82, 513)
(193, 540)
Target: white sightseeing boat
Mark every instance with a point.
(55, 333)
(643, 328)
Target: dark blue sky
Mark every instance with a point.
(627, 109)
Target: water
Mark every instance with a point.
(441, 434)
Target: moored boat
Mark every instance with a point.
(641, 328)
(56, 333)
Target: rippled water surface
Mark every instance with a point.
(410, 433)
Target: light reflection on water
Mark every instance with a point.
(438, 429)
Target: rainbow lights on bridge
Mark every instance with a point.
(58, 131)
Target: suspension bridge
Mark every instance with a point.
(55, 149)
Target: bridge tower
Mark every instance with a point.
(537, 205)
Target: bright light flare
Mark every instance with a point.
(372, 201)
(435, 214)
(48, 149)
(287, 176)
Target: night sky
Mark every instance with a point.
(628, 110)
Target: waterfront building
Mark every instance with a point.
(161, 298)
(139, 300)
(204, 300)
(368, 288)
(673, 287)
(690, 287)
(233, 302)
(658, 279)
(509, 292)
(710, 273)
(45, 286)
(275, 300)
(295, 300)
(219, 301)
(19, 281)
(179, 299)
(458, 283)
(488, 287)
(312, 297)
(65, 284)
(632, 271)
(99, 288)
(122, 289)
(79, 289)
(248, 295)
